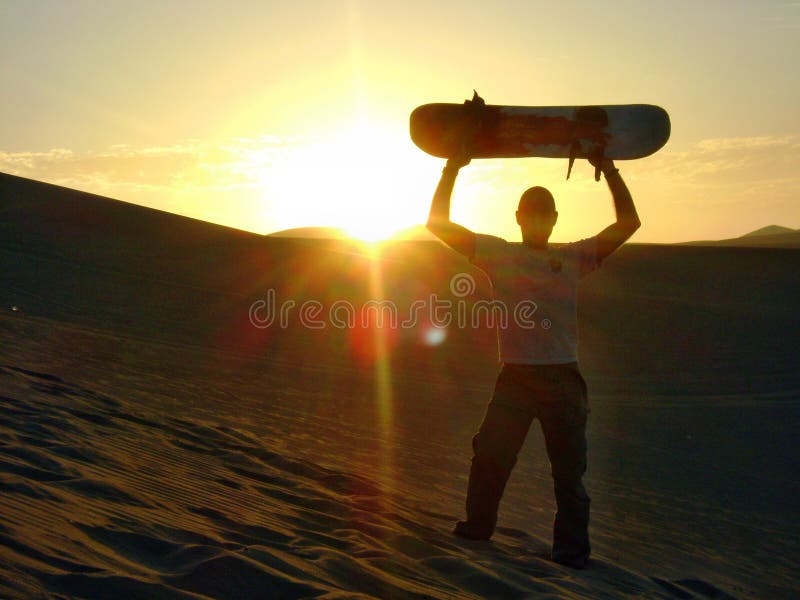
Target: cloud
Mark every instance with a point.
(188, 165)
(227, 182)
(240, 163)
(720, 162)
(748, 143)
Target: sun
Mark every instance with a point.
(363, 179)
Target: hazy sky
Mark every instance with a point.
(266, 116)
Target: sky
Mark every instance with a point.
(273, 115)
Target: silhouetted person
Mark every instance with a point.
(539, 377)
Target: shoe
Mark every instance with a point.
(573, 562)
(471, 531)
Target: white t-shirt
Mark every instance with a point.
(536, 290)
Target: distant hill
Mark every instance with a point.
(771, 236)
(413, 233)
(770, 230)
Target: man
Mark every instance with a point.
(539, 377)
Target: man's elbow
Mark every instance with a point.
(623, 229)
(630, 224)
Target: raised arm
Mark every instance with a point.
(613, 236)
(459, 238)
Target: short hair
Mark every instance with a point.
(537, 199)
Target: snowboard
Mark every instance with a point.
(618, 132)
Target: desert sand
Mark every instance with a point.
(155, 444)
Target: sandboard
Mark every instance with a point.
(618, 132)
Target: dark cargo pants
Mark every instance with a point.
(557, 396)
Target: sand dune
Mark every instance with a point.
(148, 495)
(152, 444)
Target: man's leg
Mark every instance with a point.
(495, 449)
(564, 426)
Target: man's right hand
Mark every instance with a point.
(458, 160)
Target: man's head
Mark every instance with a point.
(536, 216)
